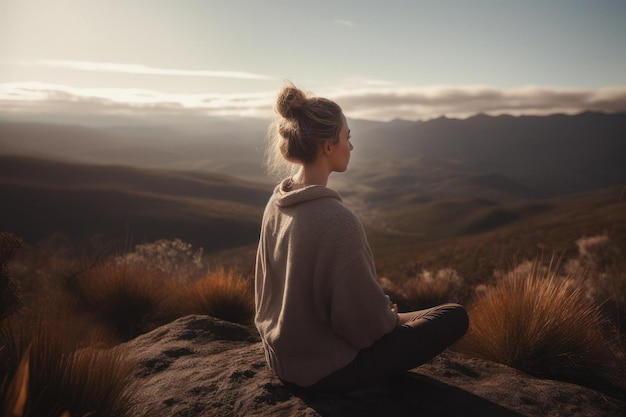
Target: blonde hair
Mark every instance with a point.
(306, 123)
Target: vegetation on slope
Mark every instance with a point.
(544, 324)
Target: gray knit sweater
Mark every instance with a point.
(317, 299)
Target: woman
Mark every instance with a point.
(324, 320)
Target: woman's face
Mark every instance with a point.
(340, 151)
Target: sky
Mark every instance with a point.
(380, 60)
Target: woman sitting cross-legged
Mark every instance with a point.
(324, 320)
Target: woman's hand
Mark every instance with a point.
(394, 307)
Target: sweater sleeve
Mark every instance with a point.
(359, 309)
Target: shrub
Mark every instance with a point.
(600, 264)
(221, 293)
(10, 297)
(128, 298)
(597, 252)
(65, 372)
(172, 257)
(132, 299)
(545, 326)
(426, 290)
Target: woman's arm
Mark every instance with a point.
(360, 311)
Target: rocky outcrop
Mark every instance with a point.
(201, 366)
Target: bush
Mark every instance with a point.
(546, 326)
(133, 299)
(66, 371)
(597, 252)
(221, 293)
(600, 264)
(128, 298)
(426, 290)
(172, 257)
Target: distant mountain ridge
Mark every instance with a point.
(550, 155)
(553, 155)
(405, 177)
(40, 198)
(228, 146)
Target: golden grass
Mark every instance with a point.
(128, 298)
(67, 370)
(132, 299)
(222, 293)
(546, 326)
(17, 391)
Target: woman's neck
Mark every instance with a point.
(312, 174)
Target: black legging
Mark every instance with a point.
(419, 337)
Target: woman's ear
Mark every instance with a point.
(327, 147)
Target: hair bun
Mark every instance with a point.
(291, 100)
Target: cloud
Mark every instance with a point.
(144, 70)
(346, 23)
(373, 102)
(357, 82)
(464, 101)
(55, 98)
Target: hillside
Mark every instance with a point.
(416, 185)
(511, 157)
(476, 237)
(221, 146)
(43, 197)
(528, 156)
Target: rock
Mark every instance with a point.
(201, 366)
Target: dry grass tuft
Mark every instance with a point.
(221, 293)
(128, 298)
(134, 298)
(17, 391)
(67, 371)
(546, 326)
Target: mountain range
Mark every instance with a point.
(204, 181)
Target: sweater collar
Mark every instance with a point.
(285, 197)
